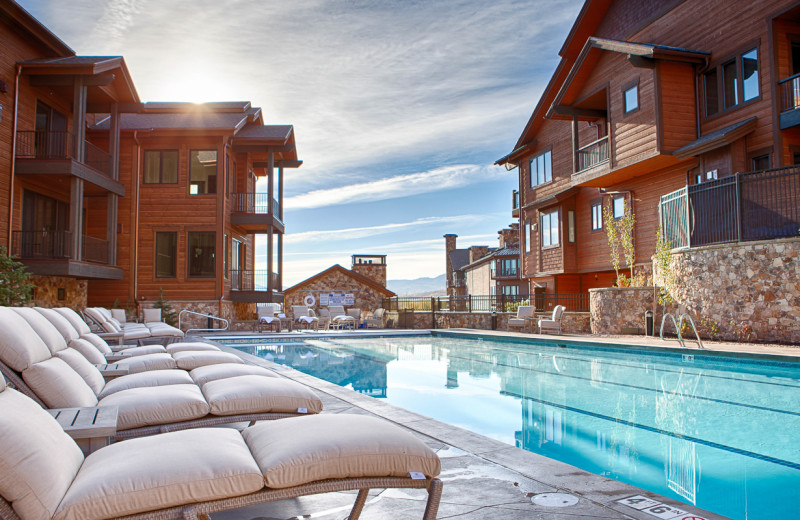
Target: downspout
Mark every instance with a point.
(135, 226)
(13, 156)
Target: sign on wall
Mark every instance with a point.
(336, 299)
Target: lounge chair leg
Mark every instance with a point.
(434, 497)
(359, 505)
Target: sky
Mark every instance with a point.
(400, 107)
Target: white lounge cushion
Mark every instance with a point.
(136, 333)
(252, 394)
(75, 319)
(60, 322)
(42, 326)
(20, 346)
(141, 351)
(119, 315)
(306, 449)
(191, 360)
(88, 372)
(2, 382)
(148, 362)
(149, 406)
(146, 379)
(152, 315)
(171, 469)
(99, 343)
(57, 385)
(203, 375)
(88, 350)
(162, 329)
(38, 460)
(191, 346)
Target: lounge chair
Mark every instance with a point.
(523, 318)
(355, 313)
(339, 318)
(553, 325)
(38, 362)
(302, 316)
(131, 331)
(175, 475)
(376, 319)
(269, 315)
(324, 318)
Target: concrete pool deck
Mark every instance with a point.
(483, 478)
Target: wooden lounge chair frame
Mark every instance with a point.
(200, 511)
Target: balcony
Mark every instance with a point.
(255, 212)
(251, 286)
(50, 253)
(789, 101)
(515, 203)
(507, 273)
(593, 154)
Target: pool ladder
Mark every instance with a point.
(207, 316)
(679, 326)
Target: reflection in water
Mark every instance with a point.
(698, 432)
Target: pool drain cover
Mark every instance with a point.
(554, 500)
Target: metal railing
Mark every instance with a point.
(505, 273)
(789, 93)
(48, 245)
(42, 144)
(593, 154)
(252, 280)
(95, 250)
(254, 204)
(744, 207)
(685, 318)
(207, 316)
(486, 303)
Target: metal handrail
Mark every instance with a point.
(691, 322)
(207, 316)
(677, 329)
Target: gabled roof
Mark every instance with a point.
(459, 258)
(225, 122)
(714, 140)
(336, 268)
(24, 21)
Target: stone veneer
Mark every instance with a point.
(365, 297)
(616, 308)
(746, 289)
(46, 292)
(572, 322)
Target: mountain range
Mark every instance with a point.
(435, 286)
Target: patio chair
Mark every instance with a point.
(40, 364)
(152, 328)
(553, 325)
(355, 313)
(302, 316)
(267, 316)
(339, 318)
(522, 319)
(175, 475)
(376, 319)
(324, 318)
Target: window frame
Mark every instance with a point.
(174, 274)
(548, 168)
(634, 85)
(161, 152)
(718, 71)
(614, 200)
(597, 207)
(549, 216)
(208, 184)
(189, 254)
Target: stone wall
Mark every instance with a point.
(375, 272)
(747, 291)
(614, 310)
(46, 293)
(366, 298)
(573, 322)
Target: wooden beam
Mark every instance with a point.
(122, 108)
(565, 110)
(288, 164)
(261, 148)
(641, 62)
(67, 80)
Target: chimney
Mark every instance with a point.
(371, 266)
(509, 236)
(476, 252)
(449, 245)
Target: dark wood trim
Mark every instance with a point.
(734, 56)
(641, 62)
(252, 148)
(73, 269)
(69, 167)
(68, 80)
(585, 113)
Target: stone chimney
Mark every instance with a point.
(509, 236)
(449, 245)
(476, 252)
(371, 266)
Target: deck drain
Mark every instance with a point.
(554, 500)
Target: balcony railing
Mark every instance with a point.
(574, 302)
(47, 245)
(789, 93)
(254, 204)
(760, 205)
(41, 144)
(252, 280)
(95, 250)
(509, 272)
(593, 154)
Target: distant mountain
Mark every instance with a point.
(419, 286)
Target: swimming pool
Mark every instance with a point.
(718, 432)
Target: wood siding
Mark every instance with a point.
(678, 110)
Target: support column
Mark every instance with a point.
(76, 184)
(270, 266)
(113, 199)
(270, 232)
(280, 193)
(280, 263)
(76, 217)
(575, 146)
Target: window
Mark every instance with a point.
(571, 226)
(550, 229)
(510, 290)
(631, 98)
(166, 253)
(597, 216)
(619, 207)
(225, 256)
(541, 169)
(161, 166)
(527, 236)
(202, 172)
(731, 83)
(761, 162)
(201, 253)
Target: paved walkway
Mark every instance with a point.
(483, 478)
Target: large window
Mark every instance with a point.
(550, 228)
(161, 166)
(201, 253)
(510, 290)
(731, 83)
(541, 169)
(619, 207)
(597, 216)
(166, 253)
(202, 172)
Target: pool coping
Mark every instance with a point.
(559, 476)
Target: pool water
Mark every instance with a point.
(717, 432)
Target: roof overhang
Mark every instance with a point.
(553, 199)
(511, 160)
(107, 77)
(716, 139)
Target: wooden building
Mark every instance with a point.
(109, 200)
(649, 98)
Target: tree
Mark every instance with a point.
(619, 233)
(168, 314)
(15, 286)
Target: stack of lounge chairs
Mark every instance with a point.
(105, 322)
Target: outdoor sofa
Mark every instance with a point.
(44, 475)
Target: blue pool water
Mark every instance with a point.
(717, 432)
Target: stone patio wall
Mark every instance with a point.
(74, 292)
(619, 310)
(573, 322)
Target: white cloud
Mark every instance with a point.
(445, 178)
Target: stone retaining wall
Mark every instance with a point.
(573, 322)
(618, 310)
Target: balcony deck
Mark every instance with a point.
(254, 213)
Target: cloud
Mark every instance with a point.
(438, 179)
